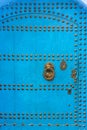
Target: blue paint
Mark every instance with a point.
(28, 40)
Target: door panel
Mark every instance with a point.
(32, 35)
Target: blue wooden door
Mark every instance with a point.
(32, 35)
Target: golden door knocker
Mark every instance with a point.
(49, 72)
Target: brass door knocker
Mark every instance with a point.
(49, 71)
